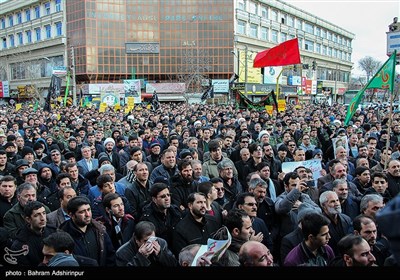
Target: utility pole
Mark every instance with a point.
(73, 76)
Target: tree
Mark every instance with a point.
(370, 66)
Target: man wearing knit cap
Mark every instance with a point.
(291, 240)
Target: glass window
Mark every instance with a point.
(329, 35)
(318, 48)
(274, 15)
(58, 5)
(47, 8)
(10, 21)
(3, 23)
(20, 38)
(253, 8)
(241, 27)
(253, 30)
(323, 33)
(309, 28)
(274, 36)
(264, 12)
(4, 40)
(290, 21)
(308, 45)
(299, 24)
(28, 14)
(48, 31)
(264, 33)
(37, 11)
(58, 28)
(318, 31)
(38, 34)
(241, 5)
(329, 51)
(19, 18)
(12, 43)
(324, 50)
(283, 37)
(334, 38)
(29, 36)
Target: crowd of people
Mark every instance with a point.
(79, 187)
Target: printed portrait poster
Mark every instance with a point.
(340, 141)
(313, 164)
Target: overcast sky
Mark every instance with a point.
(368, 20)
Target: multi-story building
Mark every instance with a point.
(175, 46)
(32, 35)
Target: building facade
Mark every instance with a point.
(169, 42)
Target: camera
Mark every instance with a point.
(151, 239)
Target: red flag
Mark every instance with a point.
(285, 53)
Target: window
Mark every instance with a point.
(58, 28)
(290, 21)
(323, 33)
(318, 48)
(28, 14)
(20, 38)
(283, 37)
(274, 36)
(329, 35)
(19, 18)
(334, 38)
(264, 12)
(47, 8)
(253, 30)
(253, 8)
(264, 33)
(274, 15)
(37, 11)
(29, 36)
(241, 5)
(48, 31)
(324, 50)
(38, 34)
(4, 40)
(318, 31)
(299, 24)
(58, 5)
(3, 23)
(283, 19)
(10, 21)
(309, 28)
(308, 45)
(241, 27)
(12, 43)
(329, 51)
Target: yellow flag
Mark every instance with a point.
(18, 106)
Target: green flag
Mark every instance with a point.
(383, 79)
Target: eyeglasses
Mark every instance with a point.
(220, 189)
(244, 142)
(306, 138)
(292, 145)
(251, 204)
(164, 195)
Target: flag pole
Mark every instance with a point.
(391, 108)
(389, 127)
